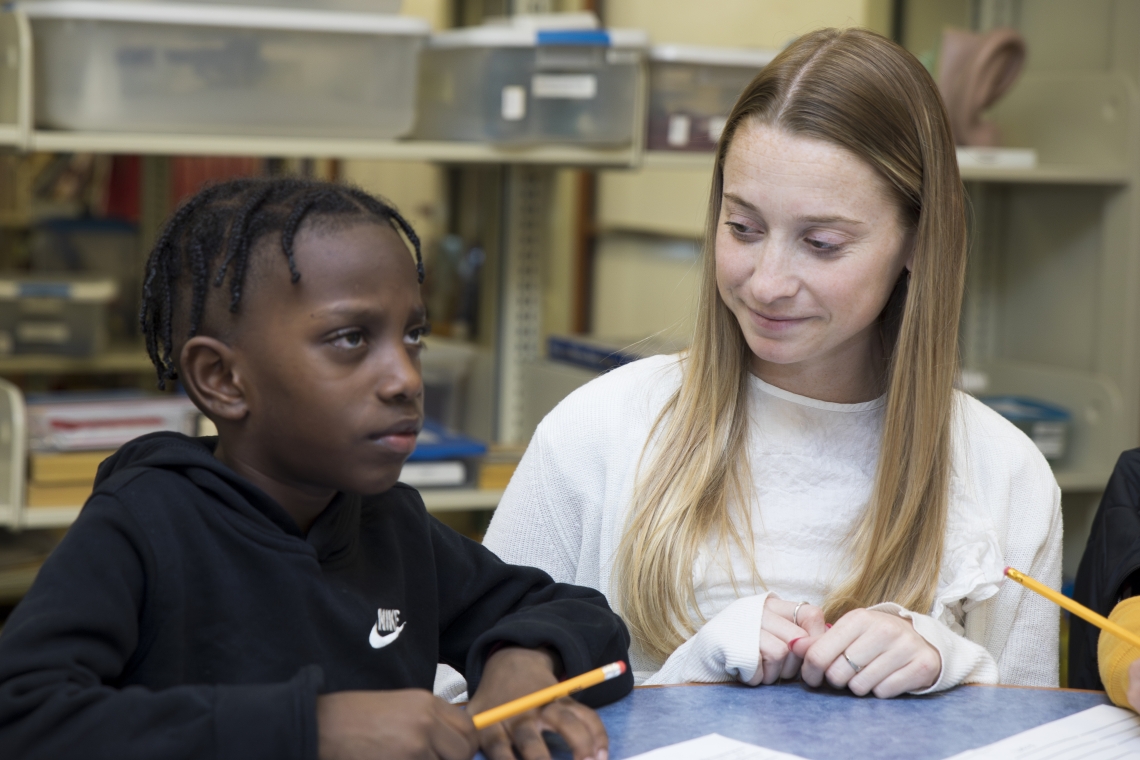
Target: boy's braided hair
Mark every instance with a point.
(225, 221)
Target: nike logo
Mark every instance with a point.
(386, 620)
(379, 641)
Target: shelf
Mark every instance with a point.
(459, 499)
(1079, 481)
(114, 360)
(1044, 174)
(1048, 175)
(435, 499)
(314, 147)
(15, 582)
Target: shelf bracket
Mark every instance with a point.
(527, 193)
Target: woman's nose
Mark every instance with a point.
(773, 274)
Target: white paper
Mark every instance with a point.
(1100, 733)
(714, 747)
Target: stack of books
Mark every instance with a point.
(70, 434)
(442, 459)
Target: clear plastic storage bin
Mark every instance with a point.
(52, 315)
(445, 365)
(158, 67)
(693, 89)
(515, 83)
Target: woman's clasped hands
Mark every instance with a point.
(867, 651)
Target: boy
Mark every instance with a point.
(275, 593)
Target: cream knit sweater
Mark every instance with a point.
(812, 464)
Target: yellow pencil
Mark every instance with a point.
(549, 694)
(1078, 609)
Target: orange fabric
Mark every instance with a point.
(1114, 656)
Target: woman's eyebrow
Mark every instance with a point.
(831, 220)
(826, 219)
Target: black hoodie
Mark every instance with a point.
(185, 615)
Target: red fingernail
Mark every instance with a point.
(827, 625)
(792, 643)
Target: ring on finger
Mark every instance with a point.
(796, 613)
(854, 667)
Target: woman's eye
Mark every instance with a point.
(740, 230)
(822, 245)
(352, 339)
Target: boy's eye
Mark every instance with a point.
(349, 339)
(416, 334)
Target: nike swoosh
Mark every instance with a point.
(379, 642)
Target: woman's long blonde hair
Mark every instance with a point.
(864, 93)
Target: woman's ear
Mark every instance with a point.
(908, 263)
(207, 369)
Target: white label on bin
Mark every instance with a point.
(565, 86)
(1050, 438)
(56, 333)
(679, 125)
(716, 127)
(620, 57)
(422, 474)
(514, 102)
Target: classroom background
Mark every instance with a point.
(555, 157)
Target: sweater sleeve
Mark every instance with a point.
(68, 649)
(485, 602)
(725, 647)
(1115, 655)
(1012, 638)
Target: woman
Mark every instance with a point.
(808, 459)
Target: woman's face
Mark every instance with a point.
(809, 246)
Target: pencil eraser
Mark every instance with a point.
(1006, 571)
(621, 664)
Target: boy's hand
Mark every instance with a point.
(406, 723)
(514, 672)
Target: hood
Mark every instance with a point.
(333, 535)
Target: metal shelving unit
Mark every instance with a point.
(526, 192)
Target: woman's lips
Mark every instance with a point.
(776, 324)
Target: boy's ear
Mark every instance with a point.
(207, 369)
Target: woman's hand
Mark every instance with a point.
(783, 623)
(870, 651)
(1134, 685)
(514, 672)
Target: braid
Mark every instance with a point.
(225, 221)
(289, 233)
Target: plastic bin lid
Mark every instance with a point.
(548, 29)
(713, 56)
(226, 16)
(88, 290)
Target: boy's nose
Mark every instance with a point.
(401, 379)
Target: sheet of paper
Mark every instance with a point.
(1100, 733)
(714, 747)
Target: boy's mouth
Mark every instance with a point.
(399, 438)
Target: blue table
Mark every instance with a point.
(825, 725)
